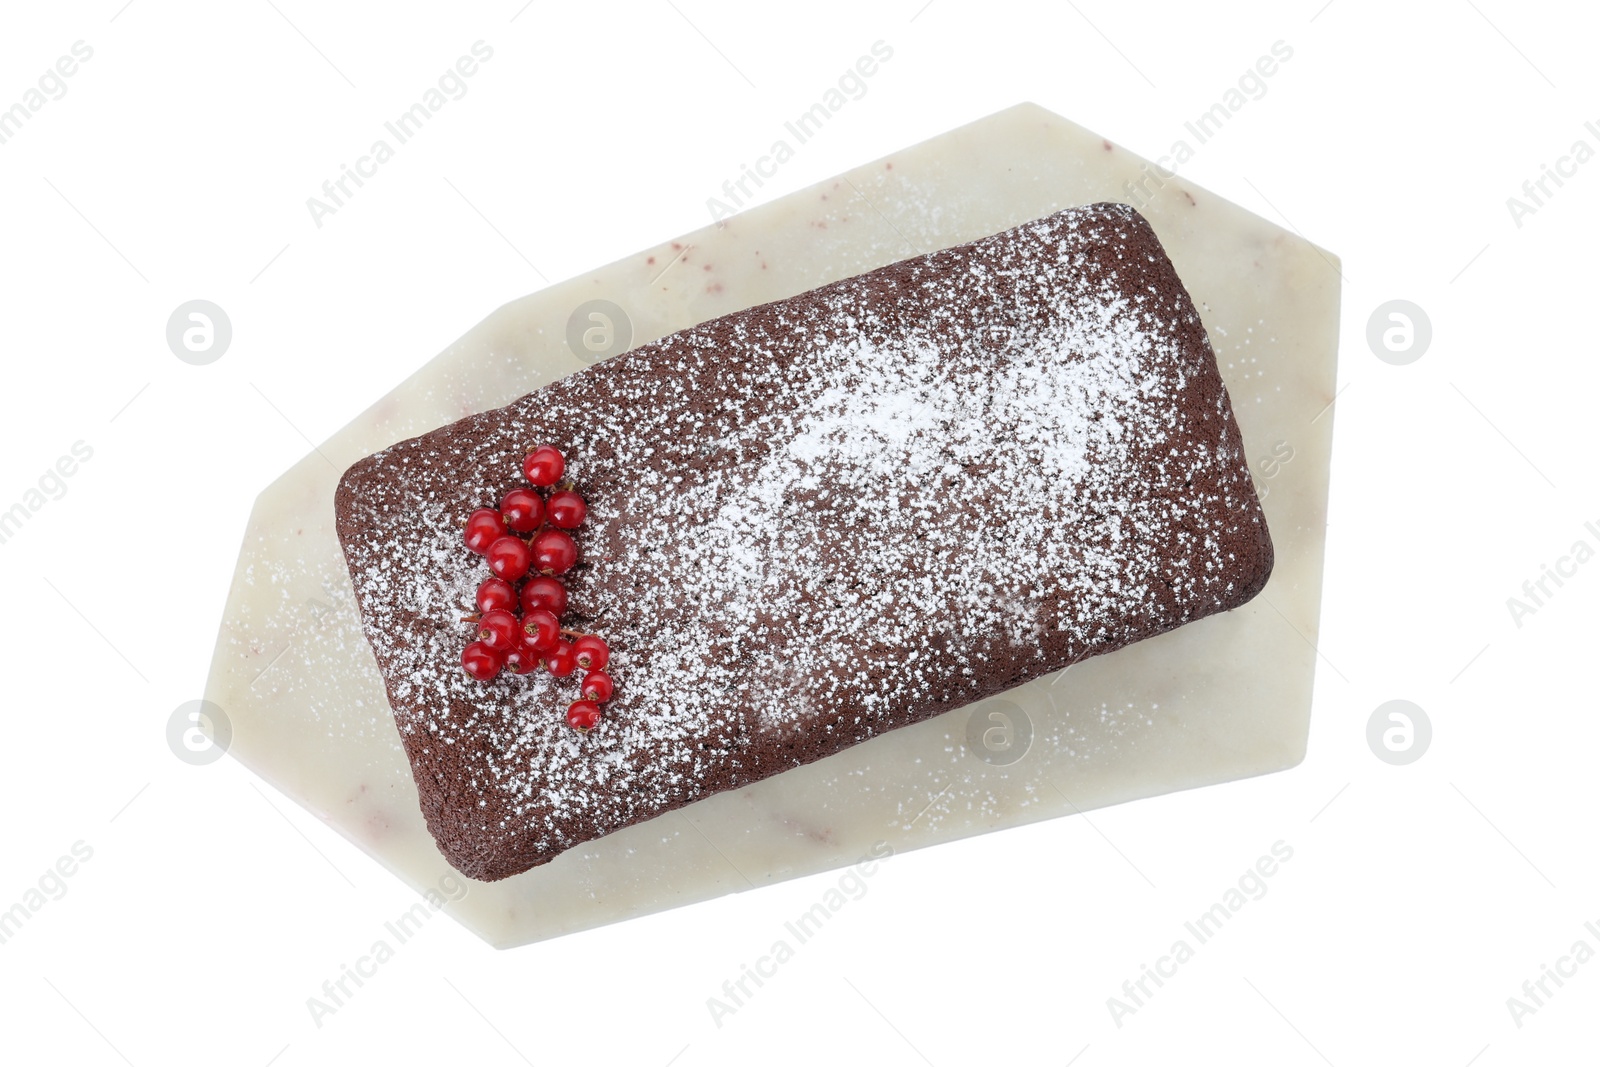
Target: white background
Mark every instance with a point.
(177, 166)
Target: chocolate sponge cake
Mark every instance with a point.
(814, 521)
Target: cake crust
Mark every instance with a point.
(814, 521)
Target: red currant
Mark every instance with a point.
(598, 687)
(522, 661)
(523, 510)
(496, 595)
(483, 527)
(509, 558)
(567, 510)
(481, 661)
(583, 716)
(590, 652)
(561, 662)
(499, 630)
(544, 466)
(541, 631)
(553, 552)
(544, 594)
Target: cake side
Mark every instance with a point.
(814, 521)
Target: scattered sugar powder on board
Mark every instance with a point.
(820, 520)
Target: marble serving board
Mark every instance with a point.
(1221, 699)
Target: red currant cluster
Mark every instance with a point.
(522, 643)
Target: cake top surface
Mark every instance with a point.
(815, 520)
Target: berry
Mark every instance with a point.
(522, 661)
(590, 652)
(496, 595)
(499, 630)
(567, 510)
(583, 716)
(523, 510)
(553, 552)
(544, 594)
(481, 661)
(509, 558)
(541, 631)
(544, 466)
(598, 687)
(560, 661)
(483, 527)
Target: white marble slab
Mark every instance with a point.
(1221, 699)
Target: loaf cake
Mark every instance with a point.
(813, 521)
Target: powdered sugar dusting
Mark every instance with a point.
(821, 520)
